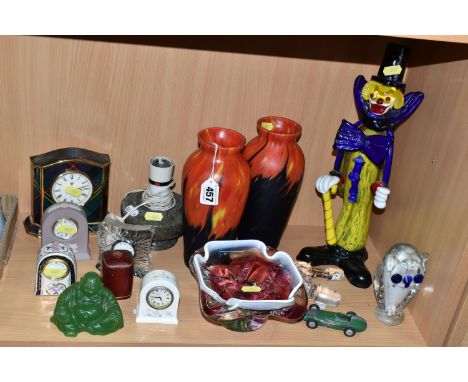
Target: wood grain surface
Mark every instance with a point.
(458, 334)
(24, 317)
(428, 204)
(462, 39)
(137, 101)
(134, 101)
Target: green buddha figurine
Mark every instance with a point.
(87, 306)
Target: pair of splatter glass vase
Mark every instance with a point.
(233, 190)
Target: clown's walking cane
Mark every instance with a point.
(330, 233)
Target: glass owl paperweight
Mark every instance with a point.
(397, 280)
(244, 282)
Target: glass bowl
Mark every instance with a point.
(243, 283)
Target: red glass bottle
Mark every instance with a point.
(203, 223)
(277, 166)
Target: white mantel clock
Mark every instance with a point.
(159, 298)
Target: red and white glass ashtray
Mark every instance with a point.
(243, 283)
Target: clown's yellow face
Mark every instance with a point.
(382, 98)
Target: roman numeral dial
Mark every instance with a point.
(72, 187)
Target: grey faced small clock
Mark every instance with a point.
(159, 298)
(66, 223)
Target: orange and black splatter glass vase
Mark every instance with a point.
(276, 168)
(203, 223)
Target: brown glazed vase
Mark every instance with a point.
(276, 166)
(203, 223)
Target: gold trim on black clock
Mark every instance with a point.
(48, 168)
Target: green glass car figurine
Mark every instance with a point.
(349, 322)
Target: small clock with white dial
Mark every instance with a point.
(72, 187)
(66, 223)
(55, 269)
(124, 245)
(159, 298)
(69, 175)
(65, 228)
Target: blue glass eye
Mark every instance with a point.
(396, 278)
(407, 281)
(418, 279)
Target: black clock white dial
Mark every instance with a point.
(159, 297)
(72, 187)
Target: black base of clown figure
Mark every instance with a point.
(362, 166)
(352, 263)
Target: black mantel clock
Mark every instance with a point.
(72, 175)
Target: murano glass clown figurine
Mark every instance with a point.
(362, 166)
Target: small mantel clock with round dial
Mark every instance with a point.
(55, 269)
(72, 187)
(69, 175)
(159, 298)
(66, 223)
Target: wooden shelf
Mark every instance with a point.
(134, 97)
(462, 39)
(24, 318)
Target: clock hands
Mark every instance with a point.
(158, 297)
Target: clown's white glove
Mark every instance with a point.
(325, 182)
(381, 196)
